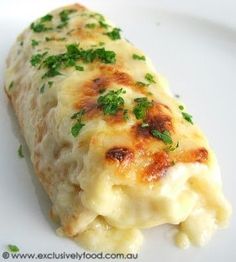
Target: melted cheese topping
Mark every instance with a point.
(115, 177)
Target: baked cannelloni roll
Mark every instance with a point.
(112, 147)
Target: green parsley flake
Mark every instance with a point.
(187, 117)
(90, 26)
(150, 78)
(42, 88)
(20, 151)
(102, 24)
(98, 16)
(50, 83)
(138, 57)
(111, 102)
(54, 39)
(11, 85)
(64, 16)
(78, 115)
(40, 25)
(37, 59)
(34, 43)
(54, 63)
(46, 18)
(79, 68)
(172, 148)
(141, 108)
(75, 130)
(38, 28)
(126, 114)
(114, 34)
(164, 136)
(13, 248)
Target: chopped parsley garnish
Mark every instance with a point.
(79, 68)
(76, 128)
(54, 39)
(78, 115)
(78, 125)
(90, 26)
(150, 78)
(40, 25)
(22, 43)
(141, 108)
(138, 57)
(20, 151)
(126, 114)
(11, 85)
(50, 83)
(171, 148)
(185, 115)
(38, 28)
(13, 248)
(34, 43)
(37, 59)
(54, 63)
(64, 16)
(164, 136)
(97, 16)
(100, 18)
(103, 24)
(46, 18)
(111, 102)
(114, 34)
(42, 88)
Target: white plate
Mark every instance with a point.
(193, 43)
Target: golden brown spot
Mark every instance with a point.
(158, 118)
(121, 78)
(82, 33)
(157, 168)
(90, 91)
(94, 87)
(119, 154)
(196, 155)
(115, 119)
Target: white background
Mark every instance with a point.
(192, 43)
